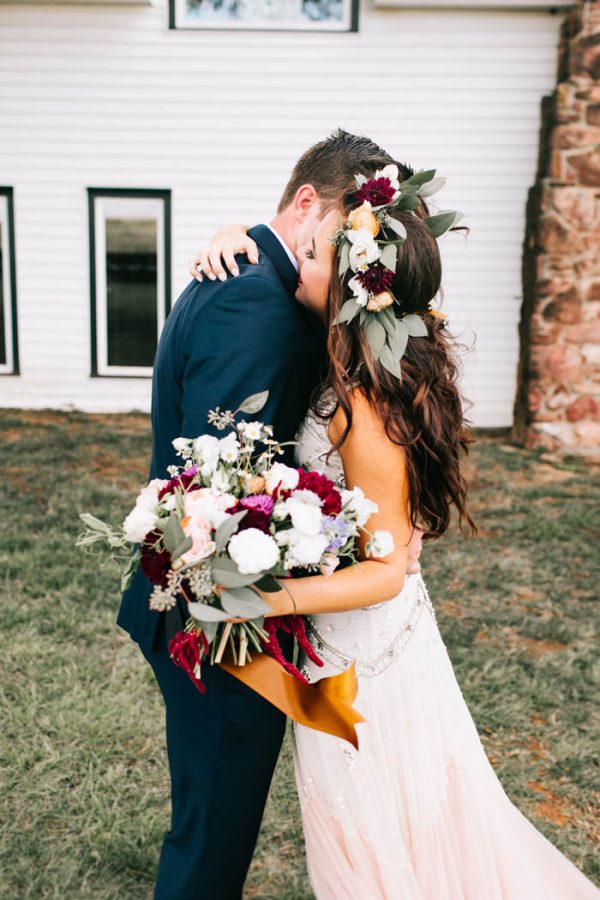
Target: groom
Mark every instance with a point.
(222, 342)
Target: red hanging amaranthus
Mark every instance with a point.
(290, 625)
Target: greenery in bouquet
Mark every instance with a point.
(230, 518)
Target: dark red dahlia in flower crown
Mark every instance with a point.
(376, 191)
(376, 278)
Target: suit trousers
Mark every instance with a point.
(222, 748)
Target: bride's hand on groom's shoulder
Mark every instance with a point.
(220, 253)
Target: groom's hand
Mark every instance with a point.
(223, 247)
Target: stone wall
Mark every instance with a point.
(558, 395)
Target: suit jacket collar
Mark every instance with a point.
(267, 242)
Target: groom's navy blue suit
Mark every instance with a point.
(222, 342)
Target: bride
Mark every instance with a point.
(417, 813)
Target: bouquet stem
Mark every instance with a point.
(223, 642)
(243, 647)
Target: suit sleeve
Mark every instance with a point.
(241, 342)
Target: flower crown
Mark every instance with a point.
(368, 245)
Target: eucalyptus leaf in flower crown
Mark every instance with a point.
(368, 247)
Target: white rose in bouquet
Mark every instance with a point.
(358, 503)
(202, 545)
(143, 516)
(283, 476)
(181, 444)
(206, 449)
(381, 544)
(253, 551)
(280, 512)
(229, 448)
(252, 431)
(208, 505)
(220, 482)
(306, 516)
(305, 549)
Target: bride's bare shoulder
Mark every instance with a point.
(366, 419)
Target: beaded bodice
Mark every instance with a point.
(371, 636)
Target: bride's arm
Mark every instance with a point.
(223, 247)
(378, 466)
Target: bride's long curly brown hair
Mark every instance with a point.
(424, 411)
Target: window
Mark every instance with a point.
(267, 15)
(514, 5)
(9, 357)
(130, 278)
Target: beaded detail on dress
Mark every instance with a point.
(372, 636)
(369, 664)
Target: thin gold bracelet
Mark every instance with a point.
(284, 586)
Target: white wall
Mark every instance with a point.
(108, 96)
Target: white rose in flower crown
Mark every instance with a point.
(306, 516)
(358, 503)
(391, 172)
(143, 516)
(305, 549)
(381, 544)
(361, 294)
(280, 474)
(253, 551)
(206, 449)
(364, 249)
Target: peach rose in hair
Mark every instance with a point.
(380, 301)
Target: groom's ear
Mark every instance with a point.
(306, 203)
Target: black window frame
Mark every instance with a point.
(12, 338)
(163, 194)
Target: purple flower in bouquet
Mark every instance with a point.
(337, 530)
(258, 512)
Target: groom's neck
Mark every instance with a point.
(286, 226)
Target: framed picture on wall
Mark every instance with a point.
(265, 15)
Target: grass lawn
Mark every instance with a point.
(85, 782)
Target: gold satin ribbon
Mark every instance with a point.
(325, 705)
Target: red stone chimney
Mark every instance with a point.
(558, 393)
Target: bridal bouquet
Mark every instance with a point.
(229, 518)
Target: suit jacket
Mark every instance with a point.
(222, 342)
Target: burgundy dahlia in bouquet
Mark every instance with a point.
(232, 517)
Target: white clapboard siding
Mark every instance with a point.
(107, 96)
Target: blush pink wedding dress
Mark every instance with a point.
(417, 813)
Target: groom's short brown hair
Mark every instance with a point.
(330, 167)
